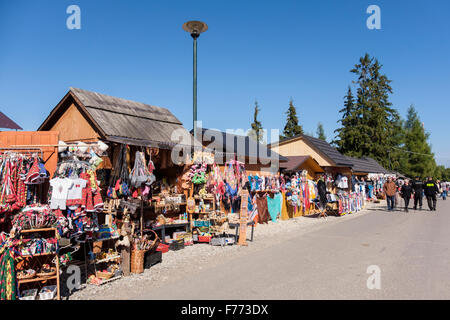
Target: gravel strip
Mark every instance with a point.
(192, 259)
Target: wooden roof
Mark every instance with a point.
(124, 121)
(295, 162)
(322, 146)
(224, 143)
(366, 165)
(7, 123)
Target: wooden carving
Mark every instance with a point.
(243, 219)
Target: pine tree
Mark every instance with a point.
(320, 132)
(292, 128)
(371, 127)
(344, 140)
(419, 159)
(256, 132)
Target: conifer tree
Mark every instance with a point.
(419, 159)
(256, 131)
(344, 140)
(320, 132)
(292, 128)
(372, 127)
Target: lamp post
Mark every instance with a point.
(195, 28)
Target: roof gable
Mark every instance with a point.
(126, 107)
(7, 123)
(331, 152)
(124, 121)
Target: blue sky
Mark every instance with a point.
(265, 50)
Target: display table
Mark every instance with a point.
(236, 226)
(163, 228)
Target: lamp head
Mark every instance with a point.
(195, 28)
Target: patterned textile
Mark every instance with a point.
(8, 282)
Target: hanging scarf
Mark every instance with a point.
(8, 281)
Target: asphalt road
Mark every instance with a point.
(410, 249)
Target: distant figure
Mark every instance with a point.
(406, 192)
(431, 190)
(418, 192)
(444, 190)
(390, 189)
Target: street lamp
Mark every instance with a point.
(195, 28)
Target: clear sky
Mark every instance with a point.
(266, 50)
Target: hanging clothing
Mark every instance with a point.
(273, 206)
(284, 208)
(263, 212)
(60, 191)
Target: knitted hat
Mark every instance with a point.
(33, 174)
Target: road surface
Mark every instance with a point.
(411, 251)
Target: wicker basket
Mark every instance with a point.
(137, 261)
(155, 242)
(104, 275)
(47, 274)
(25, 277)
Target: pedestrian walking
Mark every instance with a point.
(418, 192)
(398, 184)
(431, 190)
(444, 190)
(389, 189)
(406, 191)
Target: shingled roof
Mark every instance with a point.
(366, 165)
(294, 162)
(7, 123)
(328, 150)
(125, 121)
(323, 147)
(224, 143)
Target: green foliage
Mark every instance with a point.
(292, 128)
(256, 132)
(369, 125)
(320, 132)
(346, 134)
(419, 158)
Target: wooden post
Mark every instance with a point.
(142, 216)
(125, 252)
(243, 219)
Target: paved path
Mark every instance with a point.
(411, 249)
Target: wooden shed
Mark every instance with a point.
(328, 158)
(83, 115)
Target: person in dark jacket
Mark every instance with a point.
(322, 190)
(431, 190)
(417, 187)
(406, 192)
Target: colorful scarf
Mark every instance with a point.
(8, 281)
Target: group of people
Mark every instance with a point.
(416, 189)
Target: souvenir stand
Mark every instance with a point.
(207, 199)
(29, 246)
(266, 197)
(345, 201)
(300, 194)
(77, 194)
